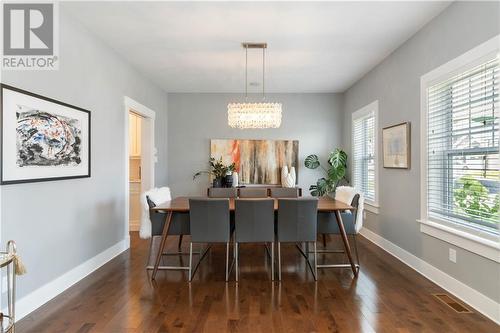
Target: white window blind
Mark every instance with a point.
(363, 136)
(463, 164)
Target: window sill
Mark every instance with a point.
(485, 246)
(372, 207)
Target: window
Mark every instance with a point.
(364, 152)
(462, 169)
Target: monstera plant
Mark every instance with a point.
(334, 173)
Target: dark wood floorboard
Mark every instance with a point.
(388, 296)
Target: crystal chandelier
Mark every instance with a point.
(254, 115)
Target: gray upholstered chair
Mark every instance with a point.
(284, 192)
(179, 226)
(222, 192)
(253, 192)
(297, 223)
(327, 225)
(209, 223)
(254, 223)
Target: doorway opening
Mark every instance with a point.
(139, 160)
(135, 170)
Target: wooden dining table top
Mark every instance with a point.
(181, 204)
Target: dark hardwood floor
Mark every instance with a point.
(119, 297)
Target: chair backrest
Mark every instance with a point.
(357, 214)
(350, 195)
(222, 192)
(355, 200)
(254, 220)
(253, 192)
(284, 192)
(209, 220)
(179, 224)
(297, 219)
(157, 218)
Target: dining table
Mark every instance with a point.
(181, 205)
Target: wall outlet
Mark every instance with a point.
(453, 255)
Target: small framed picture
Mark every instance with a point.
(396, 146)
(41, 138)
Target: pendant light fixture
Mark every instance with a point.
(254, 115)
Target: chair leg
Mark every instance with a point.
(355, 248)
(227, 261)
(190, 260)
(180, 243)
(236, 261)
(272, 261)
(324, 240)
(149, 253)
(315, 263)
(279, 261)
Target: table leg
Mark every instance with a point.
(346, 242)
(164, 235)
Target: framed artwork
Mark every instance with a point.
(41, 139)
(396, 146)
(257, 161)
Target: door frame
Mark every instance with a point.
(148, 155)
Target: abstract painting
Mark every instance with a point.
(46, 139)
(396, 146)
(257, 161)
(42, 139)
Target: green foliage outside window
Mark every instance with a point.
(474, 199)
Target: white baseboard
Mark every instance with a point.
(472, 297)
(42, 295)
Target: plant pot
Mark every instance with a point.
(228, 181)
(217, 182)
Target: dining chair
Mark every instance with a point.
(297, 223)
(222, 192)
(209, 219)
(284, 192)
(255, 192)
(179, 226)
(352, 220)
(254, 223)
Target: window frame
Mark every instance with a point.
(370, 205)
(472, 238)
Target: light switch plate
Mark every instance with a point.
(453, 255)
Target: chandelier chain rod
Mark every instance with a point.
(246, 72)
(263, 72)
(255, 115)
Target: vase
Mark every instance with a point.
(284, 174)
(288, 179)
(235, 179)
(228, 180)
(293, 174)
(217, 182)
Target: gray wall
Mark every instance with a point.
(59, 225)
(193, 119)
(396, 84)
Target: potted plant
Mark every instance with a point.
(337, 166)
(217, 170)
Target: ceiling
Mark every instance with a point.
(312, 47)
